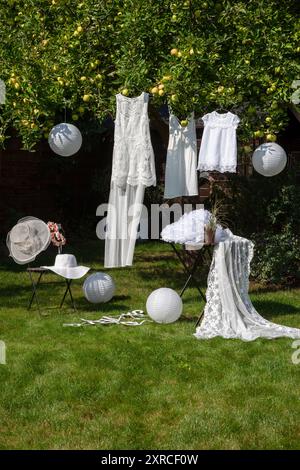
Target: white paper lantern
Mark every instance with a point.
(65, 139)
(99, 288)
(269, 159)
(164, 305)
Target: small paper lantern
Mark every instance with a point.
(164, 305)
(99, 288)
(65, 139)
(269, 159)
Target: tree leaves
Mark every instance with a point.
(242, 55)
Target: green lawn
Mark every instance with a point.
(154, 386)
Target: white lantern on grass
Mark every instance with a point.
(65, 139)
(99, 288)
(269, 159)
(164, 305)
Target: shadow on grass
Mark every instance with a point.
(261, 289)
(156, 257)
(171, 278)
(190, 319)
(270, 308)
(109, 307)
(18, 296)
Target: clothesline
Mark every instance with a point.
(233, 109)
(192, 112)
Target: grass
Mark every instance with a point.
(154, 386)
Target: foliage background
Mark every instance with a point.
(242, 55)
(267, 211)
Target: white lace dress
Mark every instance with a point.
(229, 311)
(133, 169)
(218, 150)
(181, 165)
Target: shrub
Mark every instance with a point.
(267, 210)
(276, 258)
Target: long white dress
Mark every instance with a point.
(181, 166)
(229, 311)
(218, 150)
(133, 169)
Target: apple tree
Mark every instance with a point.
(193, 54)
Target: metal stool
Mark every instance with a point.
(35, 285)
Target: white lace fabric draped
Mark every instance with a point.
(229, 311)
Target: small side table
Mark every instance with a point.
(190, 271)
(198, 258)
(35, 284)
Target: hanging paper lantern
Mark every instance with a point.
(164, 305)
(65, 139)
(269, 159)
(99, 288)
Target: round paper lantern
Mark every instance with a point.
(99, 288)
(65, 139)
(164, 305)
(269, 159)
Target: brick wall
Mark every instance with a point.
(44, 185)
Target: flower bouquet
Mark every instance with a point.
(57, 238)
(218, 216)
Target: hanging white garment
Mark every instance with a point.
(218, 150)
(229, 312)
(133, 169)
(181, 165)
(189, 229)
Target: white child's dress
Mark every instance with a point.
(218, 151)
(181, 166)
(133, 169)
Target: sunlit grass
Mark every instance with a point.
(154, 386)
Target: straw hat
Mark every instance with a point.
(29, 237)
(66, 266)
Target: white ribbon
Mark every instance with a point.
(133, 318)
